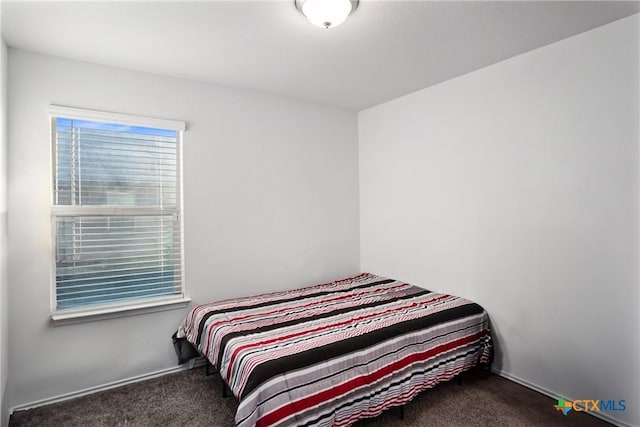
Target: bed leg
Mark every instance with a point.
(401, 410)
(459, 379)
(210, 370)
(224, 388)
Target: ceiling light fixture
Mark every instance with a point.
(326, 13)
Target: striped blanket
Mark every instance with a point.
(331, 354)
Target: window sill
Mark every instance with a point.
(65, 317)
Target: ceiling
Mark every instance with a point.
(386, 49)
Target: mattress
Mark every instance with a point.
(334, 353)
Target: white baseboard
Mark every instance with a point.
(554, 395)
(195, 363)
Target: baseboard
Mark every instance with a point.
(194, 363)
(554, 395)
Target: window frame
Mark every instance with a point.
(123, 307)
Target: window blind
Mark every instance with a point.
(116, 212)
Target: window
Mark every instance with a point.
(116, 211)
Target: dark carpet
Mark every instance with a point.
(189, 398)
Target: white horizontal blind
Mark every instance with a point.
(116, 212)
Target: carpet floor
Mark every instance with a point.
(189, 398)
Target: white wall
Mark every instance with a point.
(517, 186)
(4, 418)
(271, 202)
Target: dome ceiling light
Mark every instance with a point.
(326, 13)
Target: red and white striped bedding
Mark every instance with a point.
(331, 354)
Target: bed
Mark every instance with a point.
(334, 353)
